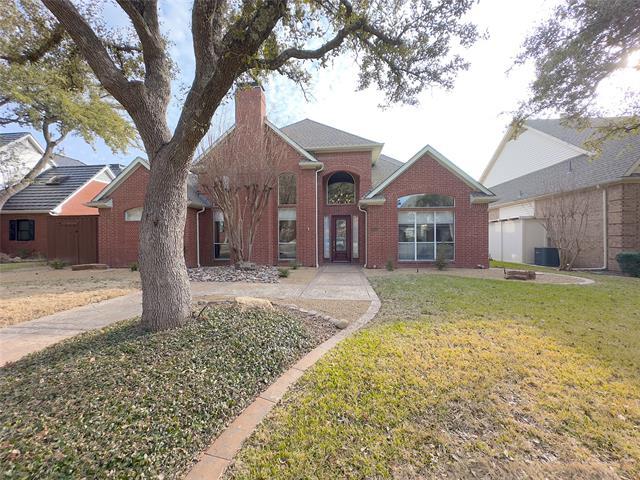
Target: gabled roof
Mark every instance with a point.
(383, 169)
(10, 137)
(433, 153)
(52, 187)
(193, 197)
(315, 136)
(64, 161)
(619, 159)
(290, 141)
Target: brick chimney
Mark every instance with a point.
(251, 105)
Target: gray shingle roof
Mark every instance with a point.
(312, 135)
(616, 159)
(383, 168)
(7, 138)
(64, 161)
(193, 194)
(116, 168)
(40, 196)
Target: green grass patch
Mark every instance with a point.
(128, 404)
(469, 378)
(7, 267)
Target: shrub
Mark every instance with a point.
(629, 263)
(390, 265)
(24, 253)
(295, 265)
(133, 266)
(283, 272)
(441, 263)
(57, 264)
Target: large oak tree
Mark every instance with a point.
(400, 46)
(582, 44)
(45, 84)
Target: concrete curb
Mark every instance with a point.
(214, 461)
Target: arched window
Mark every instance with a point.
(341, 189)
(425, 200)
(425, 235)
(133, 214)
(287, 190)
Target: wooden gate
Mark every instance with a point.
(73, 239)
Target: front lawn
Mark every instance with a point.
(29, 293)
(120, 403)
(469, 378)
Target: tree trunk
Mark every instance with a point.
(166, 293)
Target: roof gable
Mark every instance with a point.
(52, 187)
(433, 153)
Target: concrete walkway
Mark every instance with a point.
(334, 282)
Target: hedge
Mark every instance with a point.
(629, 263)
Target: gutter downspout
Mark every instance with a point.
(198, 236)
(366, 235)
(317, 249)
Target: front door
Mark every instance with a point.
(341, 238)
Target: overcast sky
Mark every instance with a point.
(465, 124)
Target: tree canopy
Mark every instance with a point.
(584, 43)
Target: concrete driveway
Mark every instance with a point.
(333, 282)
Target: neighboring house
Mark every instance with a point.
(548, 160)
(120, 208)
(345, 202)
(19, 153)
(50, 216)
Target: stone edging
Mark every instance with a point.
(214, 461)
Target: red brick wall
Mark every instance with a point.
(38, 245)
(426, 175)
(623, 212)
(118, 239)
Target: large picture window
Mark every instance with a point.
(341, 189)
(23, 230)
(220, 241)
(425, 236)
(287, 234)
(287, 190)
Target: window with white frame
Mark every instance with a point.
(425, 236)
(286, 233)
(220, 240)
(133, 214)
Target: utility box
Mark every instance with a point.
(547, 257)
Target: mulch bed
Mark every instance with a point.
(261, 274)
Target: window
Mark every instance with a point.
(133, 214)
(355, 247)
(327, 237)
(341, 189)
(287, 189)
(287, 234)
(425, 201)
(424, 236)
(22, 230)
(220, 240)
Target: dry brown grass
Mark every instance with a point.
(36, 292)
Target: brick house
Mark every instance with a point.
(50, 216)
(338, 200)
(548, 161)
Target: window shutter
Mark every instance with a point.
(32, 229)
(13, 229)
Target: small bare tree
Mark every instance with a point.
(238, 173)
(565, 216)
